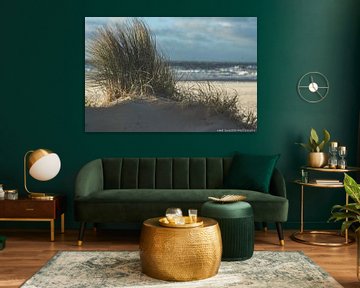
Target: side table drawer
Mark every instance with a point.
(30, 209)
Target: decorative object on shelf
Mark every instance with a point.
(332, 163)
(342, 154)
(349, 213)
(316, 158)
(304, 176)
(228, 198)
(327, 181)
(11, 194)
(43, 165)
(313, 87)
(2, 192)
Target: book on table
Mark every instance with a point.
(327, 181)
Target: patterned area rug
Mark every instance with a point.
(122, 269)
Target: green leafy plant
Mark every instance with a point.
(314, 144)
(349, 214)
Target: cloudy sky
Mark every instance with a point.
(229, 39)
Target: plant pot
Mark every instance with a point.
(317, 159)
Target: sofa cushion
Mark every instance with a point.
(181, 173)
(251, 172)
(197, 173)
(266, 207)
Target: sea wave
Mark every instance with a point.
(209, 71)
(214, 71)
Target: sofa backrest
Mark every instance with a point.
(165, 173)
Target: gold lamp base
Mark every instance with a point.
(41, 196)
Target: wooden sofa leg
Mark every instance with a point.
(280, 233)
(265, 227)
(81, 233)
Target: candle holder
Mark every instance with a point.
(342, 154)
(333, 162)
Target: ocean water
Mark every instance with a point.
(214, 71)
(209, 71)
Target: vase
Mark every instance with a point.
(317, 159)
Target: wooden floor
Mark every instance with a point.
(28, 250)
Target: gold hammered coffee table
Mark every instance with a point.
(180, 254)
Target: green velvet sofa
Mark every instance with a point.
(130, 190)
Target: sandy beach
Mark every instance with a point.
(155, 114)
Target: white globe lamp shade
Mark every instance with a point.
(44, 164)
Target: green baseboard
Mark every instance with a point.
(2, 242)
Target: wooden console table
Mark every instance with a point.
(26, 209)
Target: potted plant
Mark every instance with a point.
(317, 157)
(350, 214)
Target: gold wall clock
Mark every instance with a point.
(313, 87)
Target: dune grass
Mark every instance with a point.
(126, 63)
(218, 100)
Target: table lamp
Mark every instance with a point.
(43, 165)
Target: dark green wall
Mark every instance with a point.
(42, 88)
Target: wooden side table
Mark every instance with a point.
(26, 209)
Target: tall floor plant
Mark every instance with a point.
(350, 213)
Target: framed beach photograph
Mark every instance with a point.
(170, 74)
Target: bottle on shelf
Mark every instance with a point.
(304, 176)
(2, 192)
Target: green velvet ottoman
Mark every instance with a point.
(236, 221)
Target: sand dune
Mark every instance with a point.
(156, 115)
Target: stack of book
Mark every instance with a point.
(327, 181)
